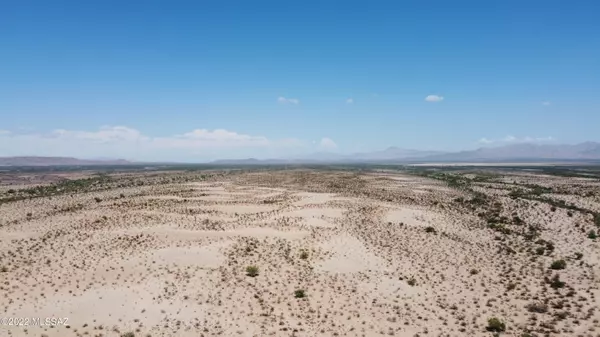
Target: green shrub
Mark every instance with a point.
(556, 283)
(578, 256)
(495, 325)
(128, 334)
(252, 271)
(558, 264)
(592, 235)
(538, 307)
(412, 281)
(4, 269)
(474, 271)
(304, 255)
(430, 229)
(299, 293)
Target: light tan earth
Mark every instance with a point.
(377, 254)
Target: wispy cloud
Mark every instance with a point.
(284, 100)
(434, 98)
(327, 144)
(513, 139)
(350, 101)
(546, 103)
(127, 142)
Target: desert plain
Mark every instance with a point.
(301, 252)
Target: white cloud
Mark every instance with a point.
(327, 144)
(513, 139)
(4, 132)
(129, 143)
(284, 100)
(350, 101)
(434, 98)
(202, 138)
(546, 103)
(104, 135)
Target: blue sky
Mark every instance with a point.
(153, 80)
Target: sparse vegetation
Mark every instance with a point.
(430, 229)
(492, 244)
(592, 234)
(495, 325)
(556, 283)
(300, 293)
(537, 307)
(558, 264)
(252, 271)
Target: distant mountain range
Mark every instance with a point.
(523, 152)
(58, 161)
(391, 153)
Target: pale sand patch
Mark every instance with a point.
(120, 306)
(313, 198)
(316, 217)
(106, 304)
(388, 287)
(10, 235)
(205, 256)
(349, 256)
(411, 216)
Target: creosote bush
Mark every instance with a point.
(592, 235)
(300, 293)
(430, 229)
(558, 264)
(556, 283)
(495, 325)
(252, 271)
(412, 281)
(538, 307)
(304, 255)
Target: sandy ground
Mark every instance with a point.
(375, 254)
